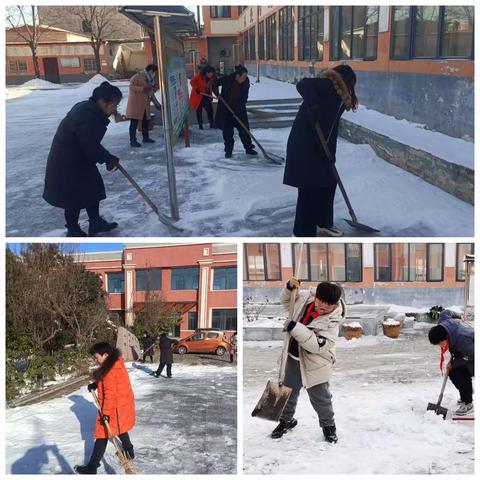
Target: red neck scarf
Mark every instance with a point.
(442, 355)
(310, 314)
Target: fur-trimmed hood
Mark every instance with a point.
(106, 366)
(339, 85)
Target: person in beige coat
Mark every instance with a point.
(309, 352)
(142, 87)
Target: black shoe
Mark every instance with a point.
(212, 125)
(85, 469)
(75, 231)
(283, 427)
(129, 453)
(148, 140)
(135, 144)
(200, 127)
(99, 225)
(330, 434)
(251, 151)
(156, 374)
(228, 154)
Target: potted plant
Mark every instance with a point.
(352, 330)
(391, 328)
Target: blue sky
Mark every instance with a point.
(80, 247)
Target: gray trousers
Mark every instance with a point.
(320, 396)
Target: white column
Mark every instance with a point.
(129, 317)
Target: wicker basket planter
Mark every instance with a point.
(352, 330)
(391, 328)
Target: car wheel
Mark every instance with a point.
(220, 351)
(182, 350)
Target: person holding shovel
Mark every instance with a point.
(148, 346)
(142, 87)
(166, 355)
(202, 83)
(235, 88)
(72, 179)
(307, 166)
(116, 399)
(454, 335)
(309, 352)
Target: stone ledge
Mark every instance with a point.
(450, 177)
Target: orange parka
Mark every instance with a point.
(204, 85)
(116, 398)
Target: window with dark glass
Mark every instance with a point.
(310, 32)
(224, 319)
(17, 66)
(261, 40)
(246, 51)
(89, 64)
(462, 250)
(184, 278)
(225, 278)
(251, 44)
(263, 261)
(115, 282)
(148, 279)
(354, 33)
(432, 32)
(220, 11)
(409, 262)
(335, 262)
(271, 32)
(286, 33)
(192, 320)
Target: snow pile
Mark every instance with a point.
(454, 150)
(353, 325)
(39, 84)
(86, 89)
(390, 322)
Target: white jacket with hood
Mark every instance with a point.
(316, 340)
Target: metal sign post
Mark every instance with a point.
(166, 115)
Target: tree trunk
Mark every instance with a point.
(96, 50)
(36, 64)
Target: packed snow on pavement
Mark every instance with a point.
(241, 196)
(381, 388)
(184, 425)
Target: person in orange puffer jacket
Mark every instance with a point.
(116, 399)
(201, 83)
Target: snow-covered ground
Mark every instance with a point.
(184, 425)
(381, 388)
(236, 197)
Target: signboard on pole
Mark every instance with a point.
(177, 93)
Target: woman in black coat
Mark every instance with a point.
(166, 355)
(307, 167)
(235, 89)
(72, 179)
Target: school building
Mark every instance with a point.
(413, 62)
(196, 281)
(416, 274)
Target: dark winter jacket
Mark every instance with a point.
(324, 101)
(72, 179)
(166, 353)
(240, 106)
(148, 345)
(460, 340)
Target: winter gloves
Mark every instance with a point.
(294, 282)
(105, 418)
(112, 164)
(92, 386)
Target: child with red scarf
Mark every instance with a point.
(309, 352)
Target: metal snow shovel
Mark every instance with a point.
(121, 456)
(276, 159)
(276, 394)
(436, 407)
(161, 216)
(353, 222)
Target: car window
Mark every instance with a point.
(212, 335)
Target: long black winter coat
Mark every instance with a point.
(166, 353)
(307, 165)
(240, 108)
(72, 179)
(147, 344)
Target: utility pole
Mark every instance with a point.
(257, 43)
